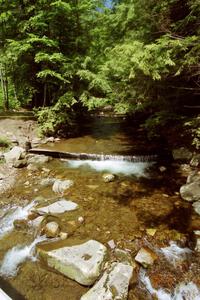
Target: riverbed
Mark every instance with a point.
(141, 207)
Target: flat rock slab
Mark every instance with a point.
(113, 285)
(58, 207)
(82, 263)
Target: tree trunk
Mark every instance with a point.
(4, 87)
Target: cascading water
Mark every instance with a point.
(117, 167)
(184, 291)
(174, 253)
(16, 256)
(14, 213)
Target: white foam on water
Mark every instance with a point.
(17, 213)
(174, 253)
(112, 166)
(185, 291)
(16, 256)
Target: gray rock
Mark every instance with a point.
(196, 206)
(108, 177)
(182, 154)
(20, 163)
(82, 263)
(58, 207)
(52, 229)
(60, 186)
(113, 285)
(145, 257)
(195, 161)
(50, 139)
(32, 167)
(124, 257)
(194, 176)
(47, 181)
(190, 192)
(14, 154)
(38, 159)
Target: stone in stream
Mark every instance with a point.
(60, 186)
(21, 163)
(38, 159)
(14, 154)
(145, 257)
(190, 192)
(51, 229)
(195, 161)
(113, 285)
(108, 177)
(82, 263)
(196, 206)
(58, 207)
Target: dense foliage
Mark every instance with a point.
(136, 55)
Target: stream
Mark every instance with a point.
(140, 207)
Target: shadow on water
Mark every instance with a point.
(10, 290)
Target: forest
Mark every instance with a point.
(65, 58)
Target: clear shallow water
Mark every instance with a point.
(122, 211)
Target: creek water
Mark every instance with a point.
(124, 211)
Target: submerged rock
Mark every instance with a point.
(145, 257)
(82, 263)
(60, 186)
(113, 285)
(191, 191)
(108, 177)
(14, 154)
(52, 229)
(58, 207)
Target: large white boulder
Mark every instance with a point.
(60, 186)
(58, 207)
(113, 285)
(82, 263)
(14, 154)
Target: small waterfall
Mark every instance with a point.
(14, 213)
(93, 156)
(16, 256)
(185, 291)
(174, 253)
(111, 166)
